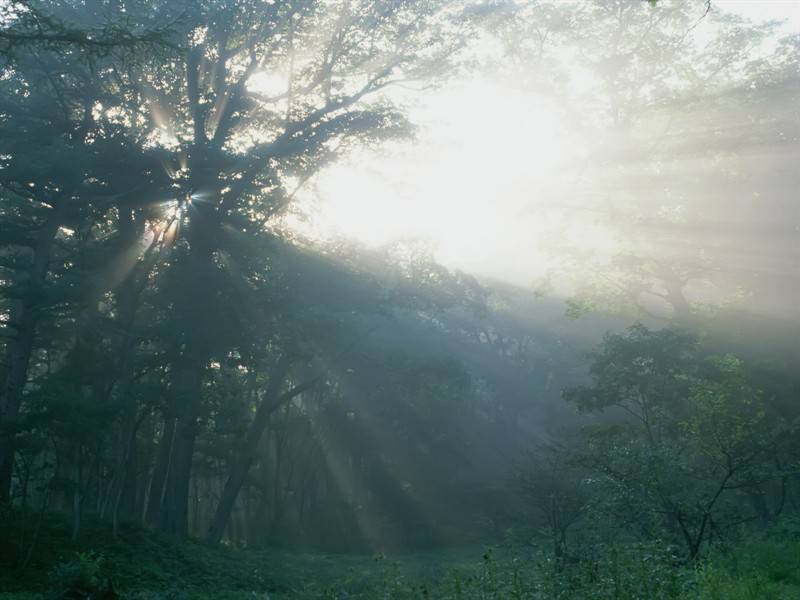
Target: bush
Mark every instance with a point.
(78, 578)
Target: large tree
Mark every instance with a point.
(687, 433)
(196, 149)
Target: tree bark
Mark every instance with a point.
(123, 484)
(169, 494)
(269, 402)
(24, 318)
(158, 479)
(174, 510)
(19, 353)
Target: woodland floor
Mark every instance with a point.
(147, 566)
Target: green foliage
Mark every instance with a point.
(765, 566)
(76, 577)
(686, 438)
(640, 371)
(150, 357)
(148, 566)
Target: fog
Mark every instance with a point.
(510, 169)
(399, 299)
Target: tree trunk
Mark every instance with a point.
(247, 452)
(269, 402)
(24, 316)
(144, 481)
(77, 492)
(123, 484)
(19, 353)
(163, 459)
(172, 513)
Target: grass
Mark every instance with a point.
(145, 565)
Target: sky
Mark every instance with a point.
(759, 10)
(476, 182)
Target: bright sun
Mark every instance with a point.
(469, 184)
(495, 171)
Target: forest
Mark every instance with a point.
(400, 299)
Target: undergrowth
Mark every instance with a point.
(144, 565)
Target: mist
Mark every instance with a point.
(399, 299)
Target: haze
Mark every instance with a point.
(399, 299)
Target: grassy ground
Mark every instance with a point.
(147, 566)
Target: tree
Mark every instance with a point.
(554, 488)
(646, 95)
(231, 145)
(691, 432)
(27, 24)
(56, 203)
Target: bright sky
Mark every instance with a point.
(764, 10)
(486, 159)
(467, 184)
